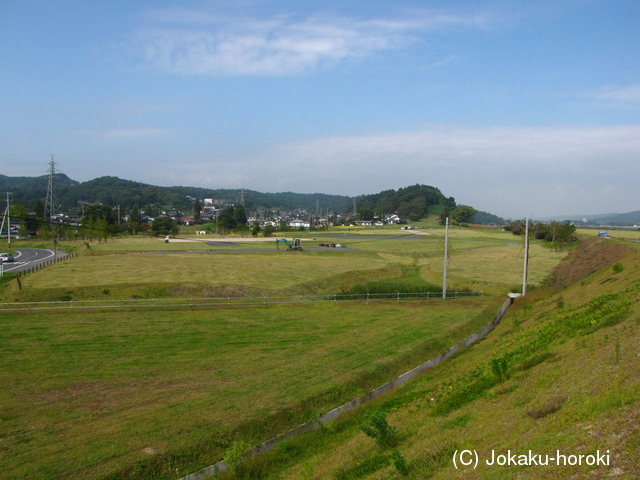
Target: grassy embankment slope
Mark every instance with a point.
(561, 373)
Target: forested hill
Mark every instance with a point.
(32, 188)
(113, 191)
(411, 203)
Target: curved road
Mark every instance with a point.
(27, 258)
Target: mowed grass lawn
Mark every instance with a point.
(391, 239)
(270, 271)
(615, 233)
(157, 244)
(494, 270)
(85, 394)
(419, 242)
(369, 257)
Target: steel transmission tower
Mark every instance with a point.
(50, 204)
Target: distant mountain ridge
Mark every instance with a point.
(18, 185)
(128, 194)
(413, 202)
(604, 219)
(410, 202)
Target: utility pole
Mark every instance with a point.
(526, 257)
(7, 218)
(446, 258)
(8, 222)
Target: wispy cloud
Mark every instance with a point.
(627, 95)
(499, 169)
(201, 43)
(134, 132)
(500, 146)
(511, 171)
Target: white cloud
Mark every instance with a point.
(200, 43)
(501, 169)
(512, 172)
(499, 147)
(627, 95)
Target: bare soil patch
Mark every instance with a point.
(590, 255)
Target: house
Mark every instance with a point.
(298, 224)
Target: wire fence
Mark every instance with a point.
(227, 301)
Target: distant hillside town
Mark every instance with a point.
(114, 205)
(110, 205)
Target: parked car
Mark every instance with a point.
(6, 257)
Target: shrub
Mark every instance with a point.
(234, 455)
(399, 462)
(379, 429)
(499, 367)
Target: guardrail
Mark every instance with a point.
(43, 264)
(226, 301)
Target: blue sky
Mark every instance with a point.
(519, 108)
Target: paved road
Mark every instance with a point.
(27, 258)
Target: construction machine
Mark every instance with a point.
(291, 245)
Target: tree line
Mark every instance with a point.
(558, 233)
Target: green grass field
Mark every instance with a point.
(269, 272)
(627, 233)
(480, 260)
(89, 394)
(569, 381)
(161, 393)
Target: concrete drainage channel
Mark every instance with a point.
(221, 466)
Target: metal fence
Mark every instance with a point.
(226, 301)
(45, 263)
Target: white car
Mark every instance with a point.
(6, 257)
